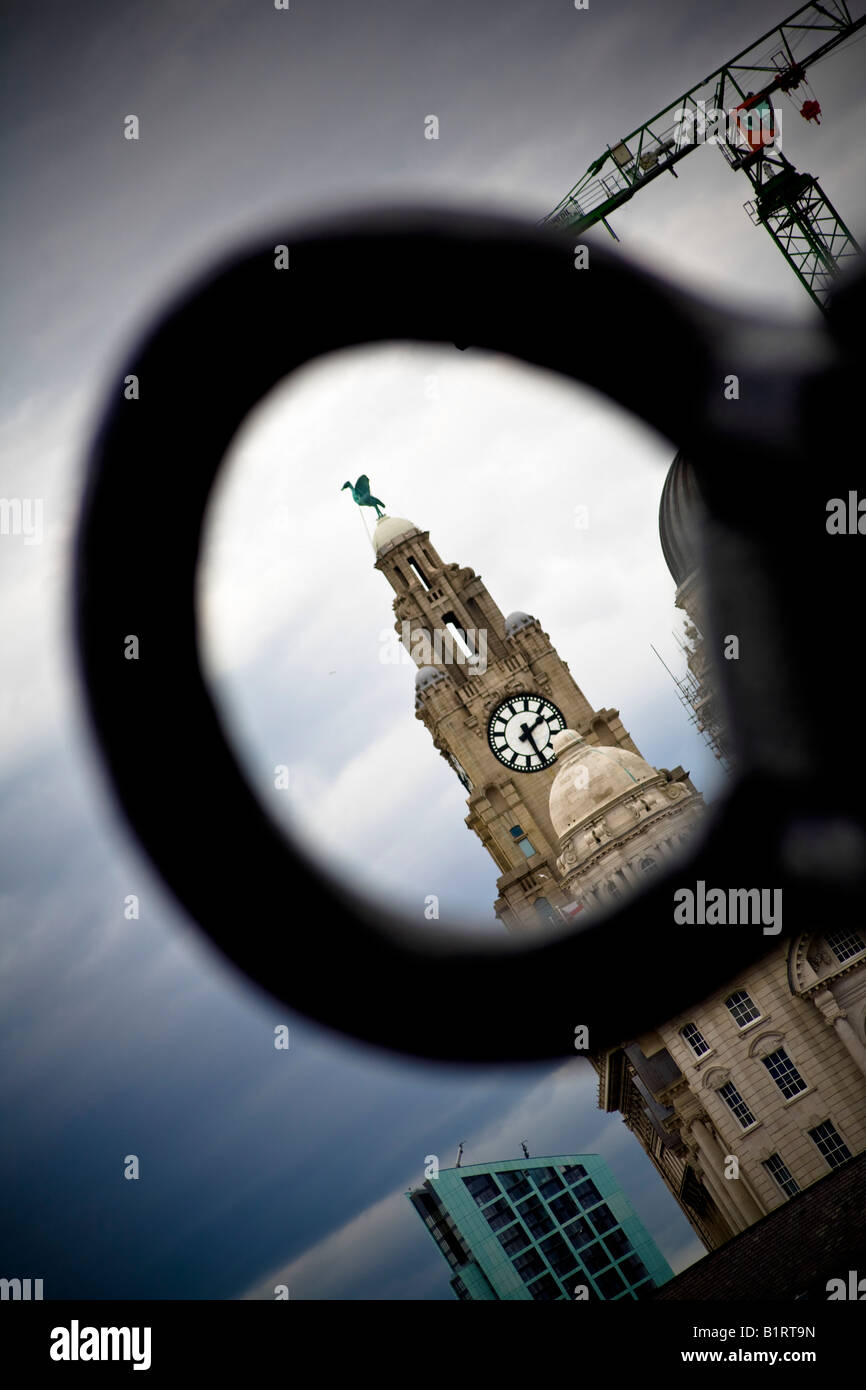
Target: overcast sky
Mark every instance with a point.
(126, 1037)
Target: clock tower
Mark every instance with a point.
(493, 693)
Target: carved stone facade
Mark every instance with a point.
(770, 1071)
(618, 819)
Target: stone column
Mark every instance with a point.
(712, 1166)
(746, 1207)
(836, 1017)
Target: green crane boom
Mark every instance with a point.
(801, 220)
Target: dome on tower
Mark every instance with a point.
(516, 620)
(589, 777)
(390, 529)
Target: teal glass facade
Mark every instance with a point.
(536, 1228)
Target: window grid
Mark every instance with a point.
(741, 1008)
(782, 1175)
(735, 1103)
(830, 1144)
(784, 1073)
(844, 944)
(695, 1039)
(608, 1254)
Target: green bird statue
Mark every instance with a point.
(362, 495)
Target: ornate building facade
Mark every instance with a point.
(769, 1071)
(492, 698)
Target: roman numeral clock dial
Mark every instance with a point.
(520, 730)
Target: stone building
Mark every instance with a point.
(617, 818)
(493, 691)
(770, 1071)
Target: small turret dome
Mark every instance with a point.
(390, 529)
(516, 620)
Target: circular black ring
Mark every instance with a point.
(426, 276)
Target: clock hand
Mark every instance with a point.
(526, 737)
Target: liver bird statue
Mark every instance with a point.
(362, 495)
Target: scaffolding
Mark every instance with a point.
(697, 702)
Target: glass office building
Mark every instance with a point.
(539, 1228)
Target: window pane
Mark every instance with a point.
(533, 1212)
(617, 1244)
(482, 1187)
(602, 1218)
(695, 1039)
(610, 1283)
(563, 1208)
(741, 1008)
(732, 1098)
(595, 1257)
(633, 1269)
(547, 1180)
(845, 944)
(831, 1144)
(499, 1215)
(573, 1172)
(528, 1265)
(580, 1233)
(587, 1193)
(784, 1073)
(561, 1260)
(779, 1171)
(515, 1183)
(513, 1239)
(545, 1289)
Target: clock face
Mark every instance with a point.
(520, 730)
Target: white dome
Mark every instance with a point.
(391, 528)
(589, 777)
(516, 620)
(428, 675)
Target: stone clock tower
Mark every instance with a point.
(494, 693)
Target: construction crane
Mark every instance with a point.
(733, 108)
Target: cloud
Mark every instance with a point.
(356, 1258)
